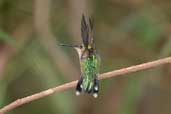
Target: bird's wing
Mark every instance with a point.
(84, 31)
(91, 37)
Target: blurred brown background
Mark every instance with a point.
(127, 32)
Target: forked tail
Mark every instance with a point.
(94, 91)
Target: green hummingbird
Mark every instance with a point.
(89, 60)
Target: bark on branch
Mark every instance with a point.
(72, 84)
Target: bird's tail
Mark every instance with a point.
(94, 91)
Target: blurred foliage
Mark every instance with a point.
(126, 33)
(4, 37)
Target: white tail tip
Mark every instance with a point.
(77, 93)
(81, 86)
(95, 95)
(96, 88)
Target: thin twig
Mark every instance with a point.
(72, 84)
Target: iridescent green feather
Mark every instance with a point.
(90, 70)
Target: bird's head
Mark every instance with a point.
(79, 48)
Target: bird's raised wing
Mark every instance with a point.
(84, 31)
(91, 37)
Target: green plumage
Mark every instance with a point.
(90, 69)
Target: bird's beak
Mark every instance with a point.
(76, 47)
(66, 45)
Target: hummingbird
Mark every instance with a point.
(88, 58)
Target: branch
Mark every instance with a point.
(72, 84)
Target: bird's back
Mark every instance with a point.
(89, 72)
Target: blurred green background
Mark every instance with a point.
(127, 32)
